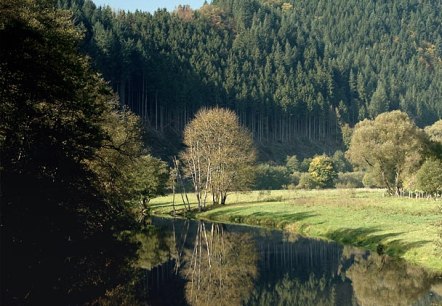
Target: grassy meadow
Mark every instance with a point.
(400, 227)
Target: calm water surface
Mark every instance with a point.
(198, 263)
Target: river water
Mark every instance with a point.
(199, 263)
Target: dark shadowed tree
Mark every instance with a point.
(54, 127)
(271, 177)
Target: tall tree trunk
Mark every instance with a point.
(224, 198)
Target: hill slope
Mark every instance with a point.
(294, 71)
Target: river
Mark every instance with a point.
(200, 263)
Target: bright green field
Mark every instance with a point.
(402, 227)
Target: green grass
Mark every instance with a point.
(402, 227)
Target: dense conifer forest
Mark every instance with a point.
(291, 70)
(92, 98)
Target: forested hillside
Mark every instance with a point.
(291, 70)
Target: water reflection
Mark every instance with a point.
(221, 267)
(181, 262)
(90, 270)
(155, 247)
(380, 280)
(293, 291)
(197, 263)
(299, 271)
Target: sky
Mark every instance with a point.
(148, 5)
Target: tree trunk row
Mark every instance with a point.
(269, 124)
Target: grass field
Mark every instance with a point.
(401, 227)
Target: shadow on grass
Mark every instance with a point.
(226, 211)
(263, 201)
(267, 219)
(381, 243)
(166, 204)
(167, 208)
(283, 216)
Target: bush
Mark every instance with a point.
(429, 176)
(295, 177)
(292, 163)
(322, 171)
(294, 180)
(350, 180)
(303, 167)
(371, 180)
(340, 162)
(271, 177)
(307, 182)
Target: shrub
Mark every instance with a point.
(350, 180)
(429, 176)
(303, 167)
(307, 182)
(292, 163)
(340, 162)
(322, 171)
(271, 177)
(371, 180)
(295, 178)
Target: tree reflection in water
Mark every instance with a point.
(380, 280)
(196, 263)
(221, 268)
(293, 291)
(156, 247)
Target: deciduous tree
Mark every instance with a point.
(435, 131)
(292, 163)
(391, 145)
(53, 111)
(429, 176)
(271, 177)
(322, 171)
(148, 178)
(219, 154)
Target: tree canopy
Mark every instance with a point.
(390, 147)
(322, 171)
(434, 131)
(64, 145)
(219, 154)
(429, 176)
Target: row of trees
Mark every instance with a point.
(389, 151)
(319, 171)
(289, 69)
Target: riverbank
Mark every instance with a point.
(399, 227)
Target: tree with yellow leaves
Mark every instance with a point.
(219, 156)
